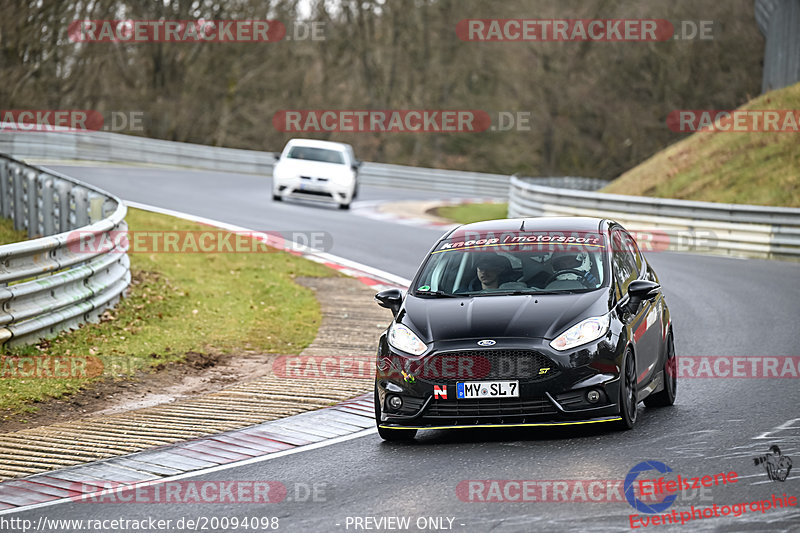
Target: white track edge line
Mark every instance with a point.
(388, 276)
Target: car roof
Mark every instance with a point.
(533, 224)
(314, 143)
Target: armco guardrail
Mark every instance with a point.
(52, 283)
(693, 226)
(117, 148)
(430, 179)
(730, 229)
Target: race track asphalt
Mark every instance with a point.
(720, 306)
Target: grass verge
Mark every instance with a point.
(179, 303)
(468, 213)
(749, 168)
(8, 234)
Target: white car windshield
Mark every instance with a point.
(316, 154)
(479, 266)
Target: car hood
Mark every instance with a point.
(490, 317)
(314, 169)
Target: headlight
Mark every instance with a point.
(581, 333)
(404, 339)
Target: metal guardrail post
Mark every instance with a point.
(44, 205)
(16, 196)
(29, 188)
(61, 202)
(6, 184)
(78, 208)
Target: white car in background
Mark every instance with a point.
(320, 170)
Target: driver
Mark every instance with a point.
(492, 269)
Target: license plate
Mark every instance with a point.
(487, 389)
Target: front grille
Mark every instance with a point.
(313, 193)
(490, 408)
(527, 366)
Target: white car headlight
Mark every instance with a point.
(584, 331)
(404, 339)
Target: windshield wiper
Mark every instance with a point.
(435, 294)
(520, 292)
(512, 292)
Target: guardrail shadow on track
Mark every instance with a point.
(51, 283)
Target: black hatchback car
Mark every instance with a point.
(525, 322)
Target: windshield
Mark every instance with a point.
(316, 154)
(513, 263)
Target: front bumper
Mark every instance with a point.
(330, 190)
(552, 397)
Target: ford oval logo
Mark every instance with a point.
(487, 342)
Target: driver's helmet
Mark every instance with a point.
(571, 261)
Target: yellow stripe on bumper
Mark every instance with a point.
(540, 424)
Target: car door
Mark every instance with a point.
(649, 333)
(626, 269)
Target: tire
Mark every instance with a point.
(627, 393)
(666, 397)
(344, 206)
(390, 435)
(277, 198)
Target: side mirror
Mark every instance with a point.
(390, 299)
(356, 165)
(639, 290)
(276, 156)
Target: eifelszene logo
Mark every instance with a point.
(630, 481)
